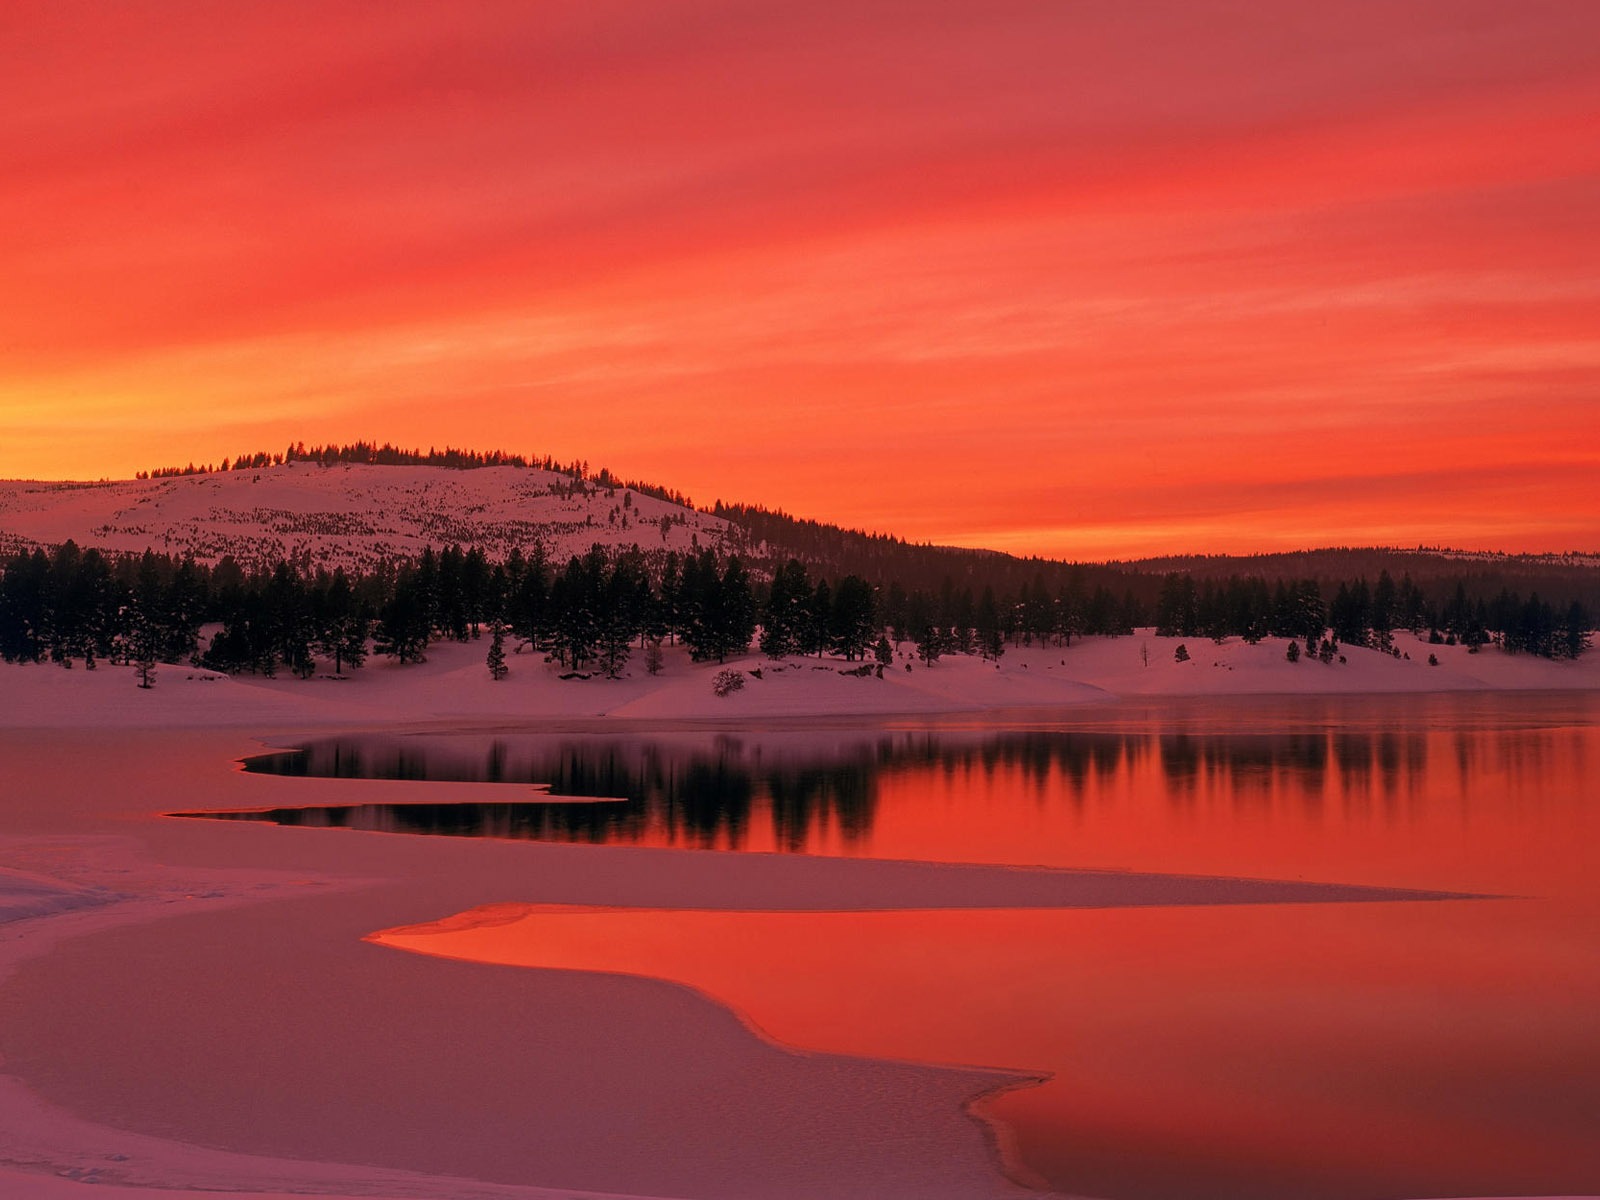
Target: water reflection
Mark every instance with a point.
(803, 794)
(1328, 1052)
(650, 792)
(602, 767)
(594, 821)
(1282, 1053)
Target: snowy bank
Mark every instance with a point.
(454, 684)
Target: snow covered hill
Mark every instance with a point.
(349, 515)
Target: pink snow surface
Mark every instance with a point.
(455, 685)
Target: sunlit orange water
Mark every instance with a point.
(1330, 1050)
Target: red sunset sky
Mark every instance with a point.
(1077, 277)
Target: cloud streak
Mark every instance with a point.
(903, 266)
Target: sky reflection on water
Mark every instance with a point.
(1306, 1051)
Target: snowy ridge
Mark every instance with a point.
(349, 515)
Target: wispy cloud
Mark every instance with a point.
(904, 266)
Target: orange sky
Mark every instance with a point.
(1076, 277)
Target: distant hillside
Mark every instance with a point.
(348, 515)
(877, 557)
(363, 505)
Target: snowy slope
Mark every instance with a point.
(346, 515)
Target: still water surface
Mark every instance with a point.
(1329, 1050)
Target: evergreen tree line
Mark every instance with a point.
(1439, 579)
(82, 604)
(1560, 579)
(592, 613)
(1359, 614)
(588, 614)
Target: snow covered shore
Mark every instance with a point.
(454, 684)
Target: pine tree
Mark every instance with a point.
(991, 638)
(404, 627)
(1178, 608)
(1381, 614)
(622, 603)
(965, 628)
(738, 611)
(144, 637)
(575, 599)
(652, 655)
(894, 611)
(669, 592)
(882, 651)
(1038, 614)
(476, 589)
(451, 617)
(185, 610)
(340, 622)
(496, 659)
(291, 616)
(1311, 615)
(719, 612)
(851, 624)
(530, 597)
(1575, 631)
(787, 611)
(814, 637)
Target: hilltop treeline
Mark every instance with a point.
(386, 455)
(594, 611)
(364, 454)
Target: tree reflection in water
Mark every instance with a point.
(643, 790)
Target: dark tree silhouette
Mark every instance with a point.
(496, 658)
